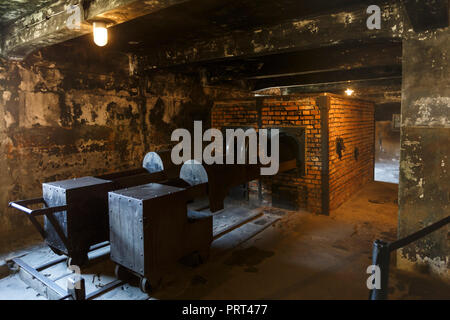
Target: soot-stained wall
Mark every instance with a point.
(68, 113)
(387, 138)
(424, 188)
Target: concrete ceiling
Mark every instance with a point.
(296, 44)
(170, 21)
(206, 19)
(11, 10)
(198, 23)
(139, 26)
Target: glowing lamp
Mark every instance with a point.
(349, 92)
(100, 33)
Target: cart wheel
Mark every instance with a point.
(144, 285)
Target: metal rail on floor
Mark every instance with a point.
(382, 251)
(50, 284)
(58, 292)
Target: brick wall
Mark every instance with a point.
(348, 118)
(353, 121)
(298, 112)
(242, 113)
(277, 112)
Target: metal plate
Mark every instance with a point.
(153, 162)
(76, 183)
(147, 191)
(193, 173)
(126, 232)
(85, 222)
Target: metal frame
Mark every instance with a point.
(382, 251)
(59, 292)
(21, 205)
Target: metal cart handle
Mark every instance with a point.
(22, 206)
(48, 212)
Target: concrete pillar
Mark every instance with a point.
(424, 189)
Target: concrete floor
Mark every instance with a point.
(300, 256)
(306, 256)
(387, 171)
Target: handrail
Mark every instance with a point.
(419, 234)
(381, 255)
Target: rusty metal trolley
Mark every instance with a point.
(76, 210)
(151, 227)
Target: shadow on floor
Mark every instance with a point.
(300, 256)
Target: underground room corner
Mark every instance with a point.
(221, 157)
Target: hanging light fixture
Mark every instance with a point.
(349, 92)
(100, 33)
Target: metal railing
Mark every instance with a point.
(382, 251)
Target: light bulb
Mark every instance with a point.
(100, 34)
(349, 92)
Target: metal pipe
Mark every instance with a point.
(381, 258)
(419, 234)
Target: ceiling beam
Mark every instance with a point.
(329, 59)
(65, 20)
(386, 72)
(377, 90)
(315, 32)
(308, 62)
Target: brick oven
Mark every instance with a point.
(331, 136)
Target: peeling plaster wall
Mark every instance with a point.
(424, 189)
(387, 143)
(387, 139)
(85, 115)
